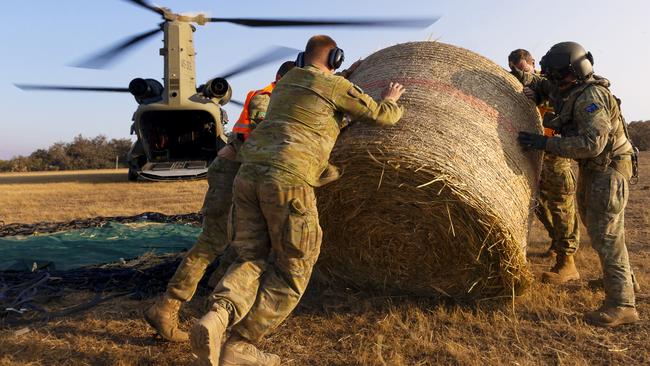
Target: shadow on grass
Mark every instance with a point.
(118, 176)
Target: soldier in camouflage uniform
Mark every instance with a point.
(277, 235)
(213, 241)
(556, 206)
(593, 133)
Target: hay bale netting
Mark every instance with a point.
(441, 202)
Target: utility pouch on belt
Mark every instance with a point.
(621, 164)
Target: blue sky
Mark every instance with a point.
(42, 37)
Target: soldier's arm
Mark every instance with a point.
(525, 78)
(257, 109)
(537, 83)
(592, 117)
(351, 100)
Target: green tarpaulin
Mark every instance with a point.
(110, 243)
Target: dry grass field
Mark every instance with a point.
(63, 196)
(336, 326)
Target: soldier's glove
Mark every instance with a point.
(531, 94)
(552, 121)
(532, 140)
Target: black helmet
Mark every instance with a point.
(567, 58)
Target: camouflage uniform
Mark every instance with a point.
(213, 241)
(277, 236)
(556, 203)
(593, 134)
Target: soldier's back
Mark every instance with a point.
(301, 125)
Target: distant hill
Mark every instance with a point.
(640, 134)
(82, 153)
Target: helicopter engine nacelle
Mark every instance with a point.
(146, 91)
(217, 88)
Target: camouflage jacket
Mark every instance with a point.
(592, 125)
(304, 119)
(257, 109)
(545, 91)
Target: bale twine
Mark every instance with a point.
(441, 202)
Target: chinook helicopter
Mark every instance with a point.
(179, 126)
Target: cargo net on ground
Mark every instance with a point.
(117, 256)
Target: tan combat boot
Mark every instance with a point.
(612, 316)
(237, 351)
(206, 336)
(563, 271)
(163, 317)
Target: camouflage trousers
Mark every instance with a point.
(556, 204)
(213, 240)
(277, 240)
(602, 197)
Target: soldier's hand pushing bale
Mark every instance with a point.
(440, 203)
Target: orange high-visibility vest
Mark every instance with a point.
(543, 109)
(243, 125)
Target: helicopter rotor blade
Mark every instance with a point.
(71, 88)
(236, 102)
(146, 5)
(388, 23)
(273, 54)
(104, 58)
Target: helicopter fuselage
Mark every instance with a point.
(180, 131)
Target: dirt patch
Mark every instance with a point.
(640, 134)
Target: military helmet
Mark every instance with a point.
(567, 58)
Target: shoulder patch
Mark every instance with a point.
(592, 108)
(355, 91)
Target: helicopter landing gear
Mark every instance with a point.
(133, 175)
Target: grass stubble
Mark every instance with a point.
(345, 326)
(64, 196)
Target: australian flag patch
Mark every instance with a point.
(592, 108)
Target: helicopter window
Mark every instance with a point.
(179, 135)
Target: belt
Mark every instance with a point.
(615, 162)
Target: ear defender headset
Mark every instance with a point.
(334, 59)
(300, 60)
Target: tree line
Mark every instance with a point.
(82, 153)
(100, 152)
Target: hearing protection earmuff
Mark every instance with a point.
(300, 60)
(334, 59)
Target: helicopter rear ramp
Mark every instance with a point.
(175, 170)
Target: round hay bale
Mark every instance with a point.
(441, 202)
